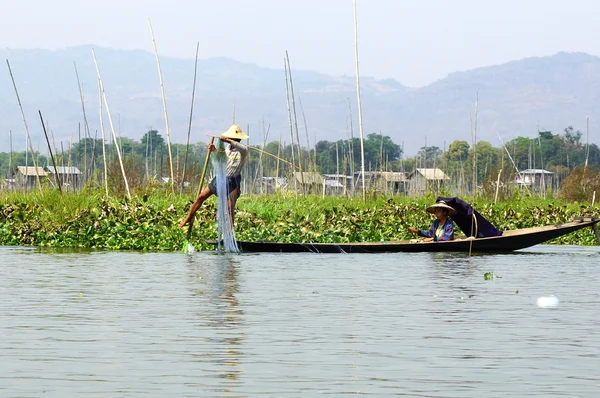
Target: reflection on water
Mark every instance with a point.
(129, 324)
(217, 281)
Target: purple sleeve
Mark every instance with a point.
(428, 233)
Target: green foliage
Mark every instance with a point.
(150, 222)
(580, 185)
(458, 151)
(490, 275)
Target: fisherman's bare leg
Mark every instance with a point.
(205, 194)
(231, 202)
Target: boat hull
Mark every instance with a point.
(509, 241)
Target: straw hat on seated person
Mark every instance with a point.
(441, 205)
(235, 132)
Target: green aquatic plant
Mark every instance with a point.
(490, 275)
(149, 222)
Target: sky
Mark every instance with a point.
(414, 42)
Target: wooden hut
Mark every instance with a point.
(536, 179)
(309, 182)
(422, 181)
(71, 178)
(26, 177)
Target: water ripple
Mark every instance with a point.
(132, 324)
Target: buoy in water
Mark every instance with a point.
(547, 301)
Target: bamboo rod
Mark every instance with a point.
(10, 155)
(587, 154)
(360, 124)
(164, 100)
(85, 121)
(26, 130)
(267, 153)
(312, 166)
(277, 164)
(51, 155)
(497, 187)
(474, 138)
(289, 68)
(351, 144)
(187, 144)
(112, 128)
(289, 111)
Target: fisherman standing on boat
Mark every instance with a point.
(442, 228)
(237, 154)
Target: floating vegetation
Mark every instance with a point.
(87, 220)
(490, 275)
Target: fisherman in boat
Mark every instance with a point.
(237, 154)
(442, 228)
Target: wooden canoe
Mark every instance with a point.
(509, 241)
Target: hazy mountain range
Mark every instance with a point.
(514, 99)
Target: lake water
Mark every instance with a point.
(127, 324)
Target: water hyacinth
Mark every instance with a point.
(88, 220)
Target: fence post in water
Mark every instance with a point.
(51, 155)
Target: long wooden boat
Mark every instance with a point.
(509, 241)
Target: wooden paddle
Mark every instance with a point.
(186, 243)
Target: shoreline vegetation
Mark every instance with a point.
(86, 220)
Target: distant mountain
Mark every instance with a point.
(515, 99)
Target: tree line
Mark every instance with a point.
(148, 160)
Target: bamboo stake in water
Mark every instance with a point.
(497, 187)
(351, 146)
(112, 128)
(587, 154)
(360, 124)
(103, 140)
(187, 144)
(277, 164)
(10, 153)
(474, 137)
(295, 123)
(51, 155)
(287, 93)
(311, 165)
(26, 130)
(164, 100)
(85, 121)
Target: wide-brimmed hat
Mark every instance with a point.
(441, 205)
(235, 132)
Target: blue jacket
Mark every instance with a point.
(447, 234)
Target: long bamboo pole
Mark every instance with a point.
(587, 154)
(269, 154)
(187, 144)
(112, 128)
(51, 155)
(10, 155)
(277, 163)
(85, 121)
(289, 111)
(312, 165)
(104, 160)
(351, 145)
(360, 124)
(474, 138)
(26, 129)
(289, 68)
(164, 100)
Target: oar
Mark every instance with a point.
(186, 244)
